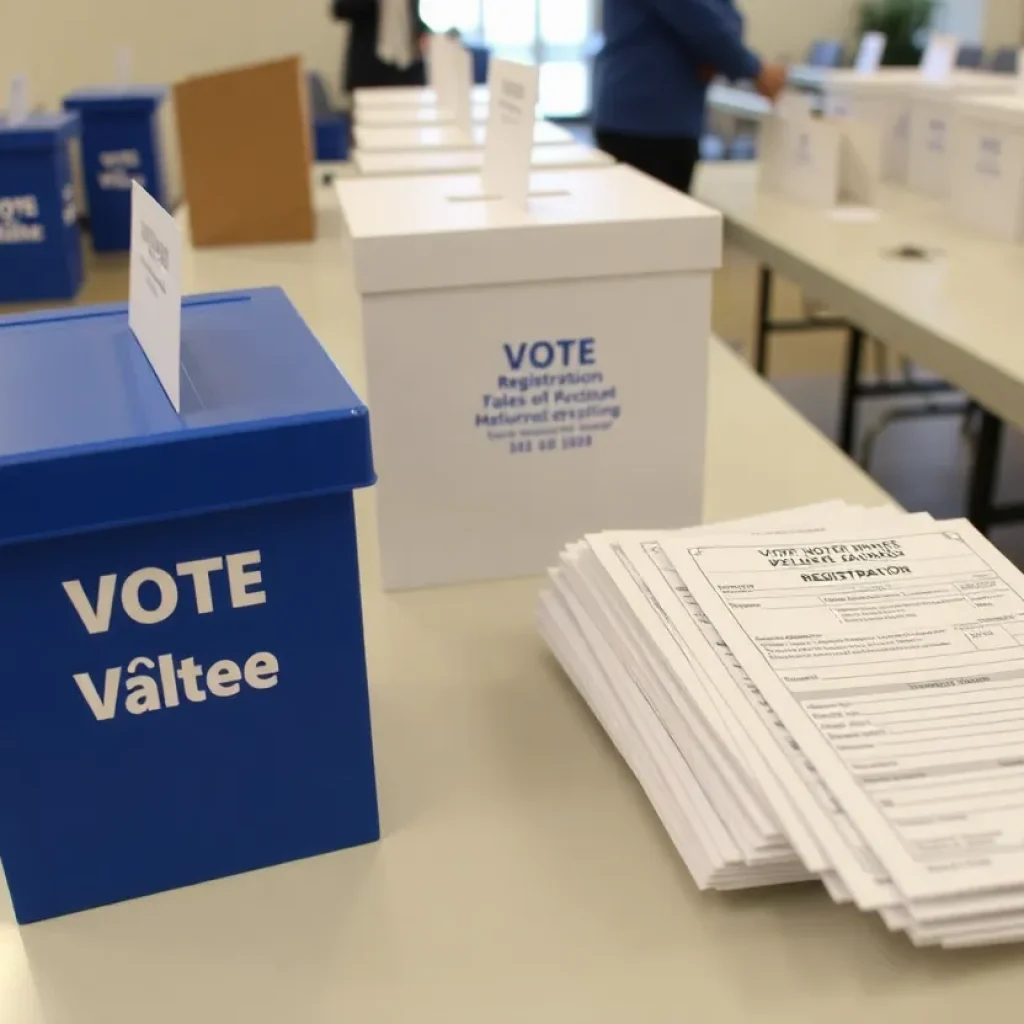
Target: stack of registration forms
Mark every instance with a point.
(830, 692)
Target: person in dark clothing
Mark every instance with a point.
(364, 69)
(652, 75)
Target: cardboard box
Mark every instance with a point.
(185, 691)
(246, 155)
(987, 166)
(533, 374)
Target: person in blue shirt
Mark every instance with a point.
(651, 79)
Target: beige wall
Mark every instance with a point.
(62, 44)
(785, 28)
(1004, 22)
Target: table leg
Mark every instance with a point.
(764, 312)
(848, 401)
(980, 503)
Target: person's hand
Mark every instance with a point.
(772, 80)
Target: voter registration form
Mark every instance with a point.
(897, 662)
(828, 692)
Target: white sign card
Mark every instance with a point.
(514, 90)
(870, 53)
(154, 289)
(123, 66)
(17, 99)
(939, 57)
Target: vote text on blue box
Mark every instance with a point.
(40, 247)
(185, 678)
(121, 143)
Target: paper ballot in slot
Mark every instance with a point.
(450, 67)
(18, 100)
(821, 162)
(154, 289)
(514, 92)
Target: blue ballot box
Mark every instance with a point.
(40, 248)
(331, 135)
(184, 676)
(120, 143)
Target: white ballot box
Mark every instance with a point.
(414, 117)
(470, 159)
(931, 121)
(825, 162)
(399, 96)
(881, 99)
(987, 166)
(534, 373)
(396, 140)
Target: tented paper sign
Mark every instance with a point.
(870, 53)
(154, 289)
(513, 105)
(17, 101)
(939, 57)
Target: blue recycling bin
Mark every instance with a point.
(120, 143)
(40, 246)
(184, 679)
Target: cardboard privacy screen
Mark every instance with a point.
(245, 154)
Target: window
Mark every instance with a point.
(555, 34)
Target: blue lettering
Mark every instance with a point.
(542, 354)
(566, 345)
(515, 361)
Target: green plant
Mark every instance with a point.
(905, 24)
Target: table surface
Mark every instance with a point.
(957, 313)
(522, 876)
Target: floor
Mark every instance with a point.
(923, 463)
